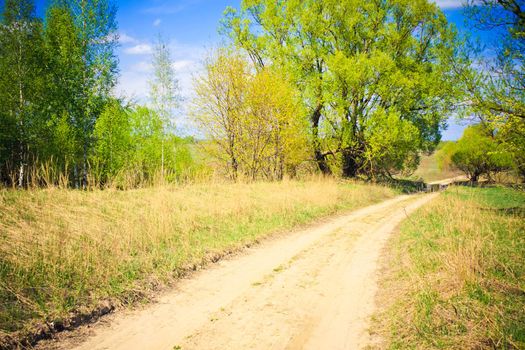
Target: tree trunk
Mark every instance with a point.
(75, 175)
(319, 157)
(21, 175)
(21, 116)
(351, 163)
(235, 168)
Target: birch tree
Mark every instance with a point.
(96, 25)
(164, 89)
(64, 87)
(21, 75)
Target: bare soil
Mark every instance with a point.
(311, 289)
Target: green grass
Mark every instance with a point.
(64, 251)
(455, 278)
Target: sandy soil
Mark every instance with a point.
(311, 289)
(450, 180)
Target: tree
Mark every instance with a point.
(64, 87)
(393, 144)
(97, 34)
(219, 103)
(163, 89)
(497, 92)
(500, 89)
(477, 153)
(147, 138)
(113, 133)
(352, 59)
(20, 85)
(250, 117)
(274, 136)
(512, 139)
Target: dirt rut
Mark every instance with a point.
(312, 289)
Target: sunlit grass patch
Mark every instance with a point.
(65, 250)
(454, 277)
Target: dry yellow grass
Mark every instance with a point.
(454, 278)
(64, 250)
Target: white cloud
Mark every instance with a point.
(142, 67)
(450, 4)
(140, 49)
(133, 85)
(157, 22)
(123, 38)
(182, 65)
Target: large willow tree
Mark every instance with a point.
(373, 74)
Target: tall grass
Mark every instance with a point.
(65, 250)
(456, 276)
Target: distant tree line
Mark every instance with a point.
(351, 88)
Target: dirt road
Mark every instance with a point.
(312, 289)
(449, 180)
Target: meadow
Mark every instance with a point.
(454, 277)
(429, 170)
(63, 252)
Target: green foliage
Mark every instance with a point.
(147, 135)
(392, 143)
(351, 59)
(64, 87)
(511, 135)
(59, 121)
(253, 118)
(131, 148)
(497, 93)
(477, 153)
(55, 81)
(114, 139)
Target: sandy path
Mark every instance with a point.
(449, 180)
(312, 289)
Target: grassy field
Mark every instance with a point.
(429, 171)
(63, 251)
(455, 274)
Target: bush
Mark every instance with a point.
(477, 153)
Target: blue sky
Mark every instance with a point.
(190, 27)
